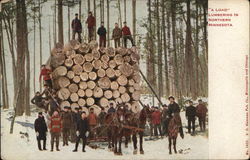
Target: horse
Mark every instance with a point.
(174, 127)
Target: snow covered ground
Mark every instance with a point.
(14, 147)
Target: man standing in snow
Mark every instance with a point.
(201, 112)
(41, 131)
(91, 25)
(190, 115)
(55, 129)
(117, 35)
(156, 120)
(66, 124)
(164, 117)
(76, 26)
(127, 35)
(101, 120)
(92, 119)
(102, 35)
(82, 132)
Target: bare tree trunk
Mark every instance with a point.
(108, 23)
(40, 39)
(21, 52)
(80, 9)
(125, 10)
(120, 13)
(101, 11)
(34, 50)
(134, 19)
(88, 5)
(55, 29)
(69, 23)
(94, 16)
(196, 49)
(168, 48)
(60, 22)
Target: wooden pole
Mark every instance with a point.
(143, 76)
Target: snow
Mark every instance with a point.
(16, 148)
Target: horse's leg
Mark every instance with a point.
(174, 143)
(134, 138)
(126, 141)
(120, 146)
(109, 139)
(169, 145)
(115, 144)
(141, 142)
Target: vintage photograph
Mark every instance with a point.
(104, 79)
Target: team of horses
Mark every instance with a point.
(124, 124)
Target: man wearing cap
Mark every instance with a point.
(156, 120)
(126, 35)
(92, 119)
(41, 131)
(111, 108)
(55, 129)
(173, 108)
(39, 101)
(117, 35)
(201, 112)
(102, 35)
(66, 124)
(45, 73)
(91, 25)
(190, 115)
(82, 132)
(76, 26)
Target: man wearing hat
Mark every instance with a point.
(190, 115)
(111, 108)
(92, 119)
(82, 131)
(173, 108)
(101, 120)
(66, 124)
(156, 120)
(127, 35)
(45, 73)
(41, 131)
(102, 35)
(76, 26)
(201, 112)
(91, 25)
(55, 129)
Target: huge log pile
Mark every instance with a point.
(84, 75)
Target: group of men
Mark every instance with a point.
(117, 33)
(72, 125)
(160, 118)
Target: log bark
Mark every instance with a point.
(74, 44)
(61, 82)
(84, 48)
(126, 69)
(110, 51)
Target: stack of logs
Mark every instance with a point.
(84, 75)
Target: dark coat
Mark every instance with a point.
(76, 25)
(101, 117)
(190, 112)
(111, 110)
(201, 111)
(101, 31)
(66, 120)
(82, 127)
(90, 21)
(173, 108)
(41, 128)
(37, 99)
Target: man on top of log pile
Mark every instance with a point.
(92, 119)
(127, 35)
(111, 108)
(91, 25)
(66, 124)
(45, 73)
(117, 35)
(76, 26)
(102, 35)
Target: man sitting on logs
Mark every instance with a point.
(45, 73)
(127, 35)
(39, 101)
(117, 35)
(102, 35)
(76, 26)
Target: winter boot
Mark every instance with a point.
(44, 145)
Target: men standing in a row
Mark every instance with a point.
(91, 26)
(66, 125)
(82, 132)
(127, 35)
(190, 115)
(117, 35)
(55, 130)
(102, 35)
(201, 112)
(41, 131)
(76, 26)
